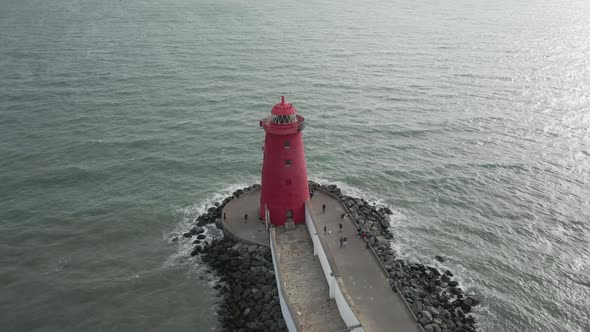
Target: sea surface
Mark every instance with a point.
(122, 120)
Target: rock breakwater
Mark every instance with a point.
(248, 287)
(437, 301)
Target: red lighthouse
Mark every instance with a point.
(284, 187)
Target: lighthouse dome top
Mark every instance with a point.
(283, 120)
(283, 108)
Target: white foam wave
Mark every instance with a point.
(484, 316)
(397, 221)
(186, 216)
(349, 190)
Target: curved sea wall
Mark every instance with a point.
(248, 288)
(247, 285)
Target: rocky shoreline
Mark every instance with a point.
(436, 300)
(248, 287)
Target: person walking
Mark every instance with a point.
(341, 241)
(246, 218)
(323, 208)
(340, 225)
(342, 215)
(325, 230)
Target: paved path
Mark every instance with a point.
(305, 283)
(254, 230)
(375, 305)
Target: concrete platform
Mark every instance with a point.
(232, 217)
(304, 282)
(362, 280)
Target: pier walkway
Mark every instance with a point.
(302, 276)
(254, 231)
(299, 271)
(364, 283)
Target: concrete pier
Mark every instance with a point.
(360, 278)
(232, 218)
(304, 282)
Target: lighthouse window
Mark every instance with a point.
(281, 119)
(287, 144)
(289, 213)
(288, 162)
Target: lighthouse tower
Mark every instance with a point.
(284, 187)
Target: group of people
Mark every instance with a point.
(343, 239)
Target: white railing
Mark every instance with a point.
(332, 278)
(346, 312)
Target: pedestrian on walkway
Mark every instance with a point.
(323, 208)
(246, 218)
(223, 215)
(325, 229)
(341, 241)
(342, 215)
(340, 224)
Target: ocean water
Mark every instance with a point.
(121, 120)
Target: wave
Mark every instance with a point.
(185, 218)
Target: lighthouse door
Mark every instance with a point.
(289, 223)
